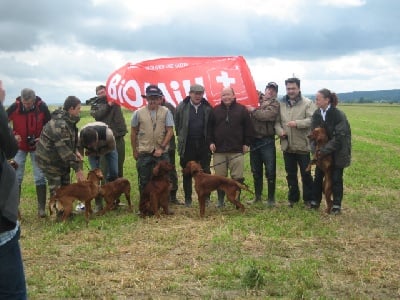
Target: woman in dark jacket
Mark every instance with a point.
(339, 145)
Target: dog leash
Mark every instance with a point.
(240, 154)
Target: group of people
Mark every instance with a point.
(226, 132)
(223, 134)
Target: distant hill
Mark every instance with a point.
(386, 96)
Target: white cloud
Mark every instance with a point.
(89, 40)
(343, 3)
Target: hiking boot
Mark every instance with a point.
(314, 206)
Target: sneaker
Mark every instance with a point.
(314, 205)
(335, 211)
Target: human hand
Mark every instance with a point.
(245, 148)
(158, 152)
(212, 148)
(292, 124)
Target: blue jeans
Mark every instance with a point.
(112, 164)
(262, 153)
(12, 276)
(38, 175)
(294, 161)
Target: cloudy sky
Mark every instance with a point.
(62, 48)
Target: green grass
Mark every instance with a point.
(264, 253)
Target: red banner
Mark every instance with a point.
(175, 75)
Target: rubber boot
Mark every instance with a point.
(271, 192)
(221, 195)
(257, 192)
(187, 189)
(98, 204)
(41, 199)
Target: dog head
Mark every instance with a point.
(55, 206)
(162, 168)
(192, 168)
(319, 135)
(95, 175)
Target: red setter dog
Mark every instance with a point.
(84, 191)
(156, 192)
(325, 163)
(112, 190)
(206, 183)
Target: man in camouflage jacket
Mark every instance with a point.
(56, 151)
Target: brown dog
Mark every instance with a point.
(84, 191)
(325, 163)
(156, 192)
(112, 190)
(206, 183)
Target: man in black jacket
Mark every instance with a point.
(231, 135)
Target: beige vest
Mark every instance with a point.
(151, 131)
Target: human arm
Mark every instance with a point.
(268, 111)
(306, 121)
(134, 142)
(160, 150)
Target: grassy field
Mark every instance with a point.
(289, 253)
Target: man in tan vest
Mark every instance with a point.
(152, 129)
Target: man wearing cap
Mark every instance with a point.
(152, 129)
(293, 127)
(193, 117)
(29, 113)
(262, 149)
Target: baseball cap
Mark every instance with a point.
(153, 90)
(272, 85)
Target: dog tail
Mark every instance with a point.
(244, 187)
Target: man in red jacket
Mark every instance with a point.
(29, 113)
